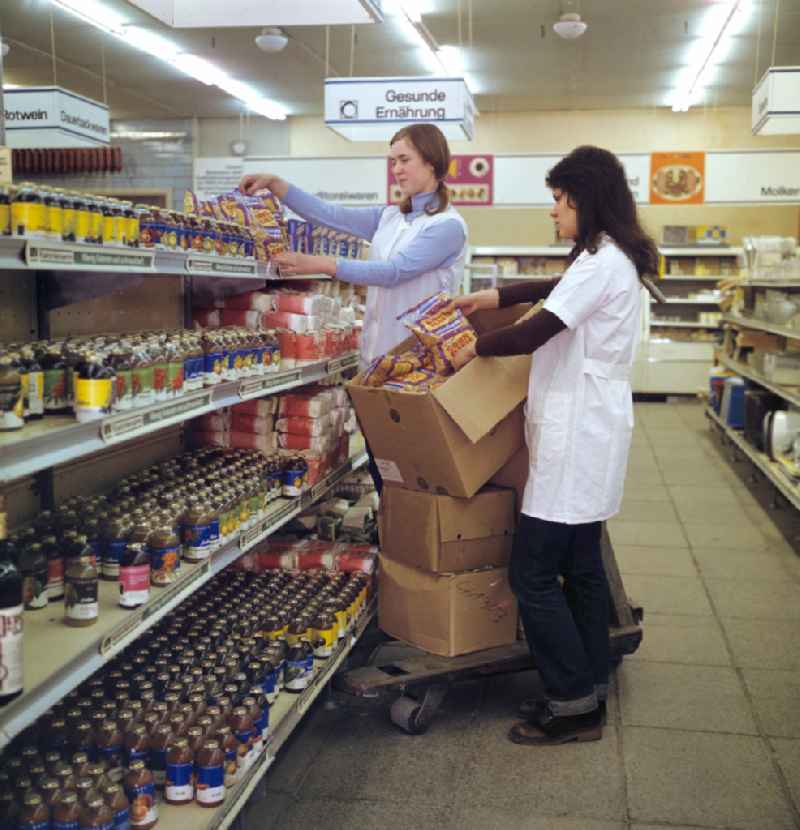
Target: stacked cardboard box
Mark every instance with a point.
(445, 536)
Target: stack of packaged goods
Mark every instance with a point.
(311, 427)
(294, 554)
(310, 325)
(443, 441)
(260, 215)
(182, 715)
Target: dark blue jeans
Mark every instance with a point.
(566, 628)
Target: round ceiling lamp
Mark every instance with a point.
(272, 39)
(570, 26)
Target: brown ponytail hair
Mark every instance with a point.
(429, 141)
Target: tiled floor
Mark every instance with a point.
(704, 720)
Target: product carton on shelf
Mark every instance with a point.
(446, 614)
(452, 440)
(442, 534)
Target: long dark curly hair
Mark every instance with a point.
(595, 183)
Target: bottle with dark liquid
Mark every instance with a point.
(11, 607)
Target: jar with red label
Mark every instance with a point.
(134, 575)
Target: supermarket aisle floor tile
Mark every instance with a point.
(703, 779)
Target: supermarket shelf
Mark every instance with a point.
(685, 301)
(693, 278)
(285, 714)
(58, 658)
(771, 469)
(667, 324)
(701, 250)
(58, 439)
(521, 250)
(790, 394)
(760, 325)
(41, 254)
(769, 283)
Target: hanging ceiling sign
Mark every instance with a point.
(470, 179)
(40, 117)
(374, 109)
(776, 102)
(197, 14)
(677, 178)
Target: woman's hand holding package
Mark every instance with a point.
(489, 298)
(254, 182)
(292, 264)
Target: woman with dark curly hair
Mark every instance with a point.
(579, 421)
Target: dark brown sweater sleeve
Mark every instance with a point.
(530, 291)
(523, 338)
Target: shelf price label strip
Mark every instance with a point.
(27, 708)
(86, 258)
(222, 267)
(121, 427)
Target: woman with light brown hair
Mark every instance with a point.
(417, 248)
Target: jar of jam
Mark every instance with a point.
(137, 744)
(85, 789)
(110, 747)
(66, 777)
(324, 634)
(141, 792)
(241, 724)
(34, 814)
(50, 789)
(66, 812)
(164, 547)
(95, 815)
(80, 759)
(160, 740)
(116, 801)
(179, 787)
(81, 605)
(134, 575)
(210, 774)
(230, 750)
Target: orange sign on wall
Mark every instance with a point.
(677, 178)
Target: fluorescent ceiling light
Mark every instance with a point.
(447, 59)
(146, 135)
(723, 20)
(109, 21)
(11, 86)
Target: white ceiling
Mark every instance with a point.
(629, 58)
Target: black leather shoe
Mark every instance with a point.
(531, 709)
(550, 731)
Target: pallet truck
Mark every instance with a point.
(423, 679)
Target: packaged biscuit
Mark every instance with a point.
(441, 329)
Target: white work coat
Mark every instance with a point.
(382, 330)
(579, 413)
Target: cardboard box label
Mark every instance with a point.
(389, 470)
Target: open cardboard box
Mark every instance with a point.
(446, 614)
(443, 534)
(452, 440)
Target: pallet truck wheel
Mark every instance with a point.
(405, 713)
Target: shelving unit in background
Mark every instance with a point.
(676, 347)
